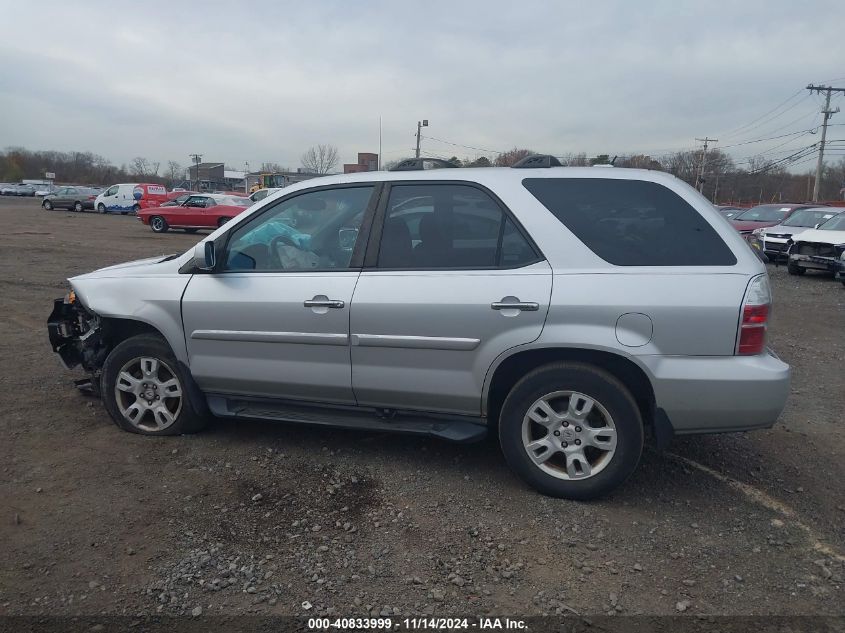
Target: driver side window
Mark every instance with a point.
(316, 230)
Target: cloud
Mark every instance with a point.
(263, 81)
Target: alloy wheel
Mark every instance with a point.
(148, 394)
(569, 435)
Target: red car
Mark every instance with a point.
(199, 211)
(765, 215)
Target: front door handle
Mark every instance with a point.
(506, 304)
(320, 301)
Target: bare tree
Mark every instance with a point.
(140, 166)
(320, 159)
(511, 157)
(175, 172)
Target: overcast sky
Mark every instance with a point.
(263, 81)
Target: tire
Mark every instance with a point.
(560, 469)
(101, 208)
(130, 393)
(190, 230)
(158, 224)
(136, 208)
(47, 205)
(77, 206)
(222, 221)
(794, 269)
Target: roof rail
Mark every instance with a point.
(537, 161)
(416, 164)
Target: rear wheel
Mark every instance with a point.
(47, 205)
(158, 224)
(77, 206)
(571, 430)
(795, 269)
(144, 390)
(190, 230)
(136, 208)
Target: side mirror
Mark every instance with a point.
(204, 258)
(346, 238)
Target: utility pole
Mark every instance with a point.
(826, 114)
(197, 158)
(420, 125)
(699, 181)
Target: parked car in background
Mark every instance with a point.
(764, 216)
(76, 198)
(127, 198)
(9, 189)
(46, 191)
(199, 211)
(774, 241)
(729, 211)
(177, 197)
(260, 194)
(819, 249)
(450, 303)
(22, 190)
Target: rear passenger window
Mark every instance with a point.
(449, 226)
(632, 222)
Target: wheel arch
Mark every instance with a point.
(509, 369)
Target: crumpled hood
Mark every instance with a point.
(824, 237)
(159, 265)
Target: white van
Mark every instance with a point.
(130, 197)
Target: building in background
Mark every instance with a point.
(215, 177)
(366, 162)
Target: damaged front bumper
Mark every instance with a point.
(76, 335)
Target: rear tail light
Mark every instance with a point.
(754, 317)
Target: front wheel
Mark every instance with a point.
(101, 208)
(144, 390)
(47, 205)
(571, 430)
(158, 224)
(794, 269)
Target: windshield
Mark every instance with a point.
(809, 217)
(764, 213)
(836, 223)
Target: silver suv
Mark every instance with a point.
(570, 311)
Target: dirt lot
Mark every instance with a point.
(94, 520)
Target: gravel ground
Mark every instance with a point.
(271, 519)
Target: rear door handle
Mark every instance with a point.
(525, 306)
(323, 303)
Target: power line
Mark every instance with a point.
(777, 107)
(478, 149)
(770, 138)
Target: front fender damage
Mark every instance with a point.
(77, 336)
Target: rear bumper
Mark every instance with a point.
(718, 394)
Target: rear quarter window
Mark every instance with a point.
(632, 222)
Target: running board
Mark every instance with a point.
(454, 429)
